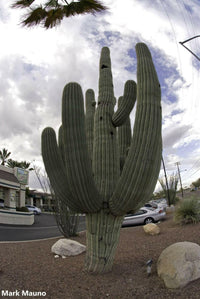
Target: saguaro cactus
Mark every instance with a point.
(90, 180)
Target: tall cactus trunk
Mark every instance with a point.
(86, 177)
(103, 230)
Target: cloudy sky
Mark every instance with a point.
(35, 64)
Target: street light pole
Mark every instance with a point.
(182, 43)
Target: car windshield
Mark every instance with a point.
(139, 212)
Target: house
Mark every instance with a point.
(13, 183)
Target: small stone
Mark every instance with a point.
(56, 256)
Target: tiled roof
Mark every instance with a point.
(4, 175)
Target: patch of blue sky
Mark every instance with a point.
(188, 8)
(176, 111)
(188, 149)
(167, 75)
(105, 38)
(131, 67)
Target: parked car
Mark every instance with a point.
(158, 204)
(144, 216)
(35, 210)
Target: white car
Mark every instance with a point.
(35, 210)
(157, 204)
(144, 216)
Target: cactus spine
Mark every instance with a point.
(90, 181)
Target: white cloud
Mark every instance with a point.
(35, 64)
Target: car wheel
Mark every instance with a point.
(148, 220)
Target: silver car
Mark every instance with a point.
(144, 216)
(35, 210)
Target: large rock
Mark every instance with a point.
(179, 264)
(151, 229)
(67, 247)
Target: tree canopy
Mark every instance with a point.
(4, 154)
(52, 12)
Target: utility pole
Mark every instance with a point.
(179, 174)
(166, 181)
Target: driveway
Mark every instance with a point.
(45, 226)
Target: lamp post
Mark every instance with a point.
(182, 43)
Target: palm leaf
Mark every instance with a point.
(53, 18)
(22, 3)
(35, 17)
(83, 7)
(52, 13)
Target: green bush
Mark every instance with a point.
(22, 209)
(188, 211)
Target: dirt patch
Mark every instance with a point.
(31, 266)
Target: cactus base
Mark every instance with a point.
(103, 230)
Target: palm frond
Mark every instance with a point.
(53, 18)
(83, 7)
(35, 17)
(22, 3)
(51, 13)
(52, 3)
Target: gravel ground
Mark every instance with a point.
(30, 266)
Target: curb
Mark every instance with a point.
(28, 241)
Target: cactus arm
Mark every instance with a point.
(89, 119)
(55, 168)
(77, 160)
(61, 143)
(142, 165)
(124, 139)
(105, 160)
(126, 105)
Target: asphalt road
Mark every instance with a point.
(45, 226)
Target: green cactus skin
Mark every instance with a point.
(124, 138)
(125, 106)
(102, 235)
(97, 188)
(89, 119)
(142, 165)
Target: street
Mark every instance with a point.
(45, 226)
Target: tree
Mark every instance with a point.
(4, 154)
(23, 164)
(52, 12)
(170, 189)
(67, 221)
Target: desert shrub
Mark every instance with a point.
(22, 209)
(188, 211)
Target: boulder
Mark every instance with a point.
(151, 229)
(67, 247)
(179, 264)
